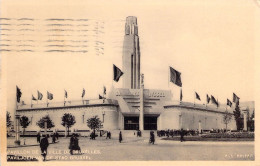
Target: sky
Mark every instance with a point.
(212, 44)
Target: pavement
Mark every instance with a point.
(138, 149)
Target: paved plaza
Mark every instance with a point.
(138, 148)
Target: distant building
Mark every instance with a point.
(132, 107)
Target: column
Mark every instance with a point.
(45, 126)
(245, 120)
(17, 130)
(141, 117)
(180, 121)
(200, 126)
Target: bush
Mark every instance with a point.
(230, 135)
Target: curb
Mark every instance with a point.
(21, 146)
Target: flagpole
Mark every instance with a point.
(64, 97)
(206, 100)
(16, 99)
(194, 98)
(31, 102)
(168, 76)
(47, 98)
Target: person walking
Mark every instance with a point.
(74, 144)
(152, 139)
(53, 138)
(44, 146)
(38, 137)
(182, 132)
(120, 137)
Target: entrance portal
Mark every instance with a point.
(131, 123)
(150, 123)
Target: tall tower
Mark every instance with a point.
(131, 55)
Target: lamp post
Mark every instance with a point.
(17, 130)
(103, 113)
(45, 127)
(245, 120)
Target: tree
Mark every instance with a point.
(237, 115)
(227, 118)
(68, 120)
(94, 123)
(50, 124)
(8, 122)
(24, 122)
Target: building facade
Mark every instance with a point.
(131, 107)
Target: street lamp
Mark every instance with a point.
(103, 113)
(17, 130)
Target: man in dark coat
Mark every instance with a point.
(53, 138)
(182, 133)
(44, 145)
(57, 135)
(152, 139)
(74, 144)
(38, 137)
(120, 137)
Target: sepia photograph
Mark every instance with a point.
(88, 81)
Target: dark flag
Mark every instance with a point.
(33, 98)
(117, 73)
(83, 93)
(229, 103)
(18, 94)
(197, 96)
(214, 101)
(175, 77)
(235, 98)
(208, 99)
(39, 95)
(100, 97)
(181, 96)
(49, 95)
(105, 90)
(66, 94)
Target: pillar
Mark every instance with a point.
(45, 126)
(200, 126)
(180, 121)
(141, 117)
(245, 120)
(17, 130)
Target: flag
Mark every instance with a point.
(175, 77)
(208, 99)
(229, 103)
(235, 98)
(100, 97)
(66, 94)
(181, 95)
(83, 93)
(18, 94)
(117, 73)
(105, 90)
(197, 96)
(33, 98)
(49, 95)
(214, 101)
(39, 95)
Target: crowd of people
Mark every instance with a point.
(172, 133)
